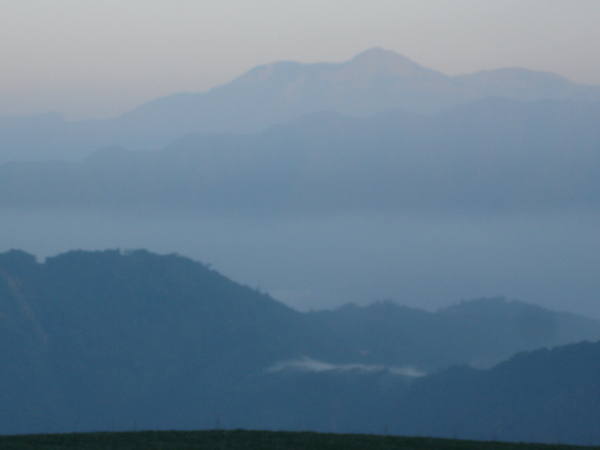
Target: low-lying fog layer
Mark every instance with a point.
(306, 364)
(316, 262)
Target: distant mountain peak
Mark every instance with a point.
(375, 61)
(381, 60)
(380, 55)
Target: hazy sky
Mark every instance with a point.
(98, 58)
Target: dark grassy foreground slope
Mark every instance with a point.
(247, 440)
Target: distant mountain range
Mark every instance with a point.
(373, 82)
(110, 340)
(490, 156)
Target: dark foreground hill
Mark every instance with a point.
(247, 440)
(98, 340)
(547, 396)
(117, 341)
(541, 396)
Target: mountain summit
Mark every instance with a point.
(386, 62)
(373, 62)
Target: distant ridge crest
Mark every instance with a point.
(378, 59)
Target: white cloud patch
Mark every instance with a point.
(306, 364)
